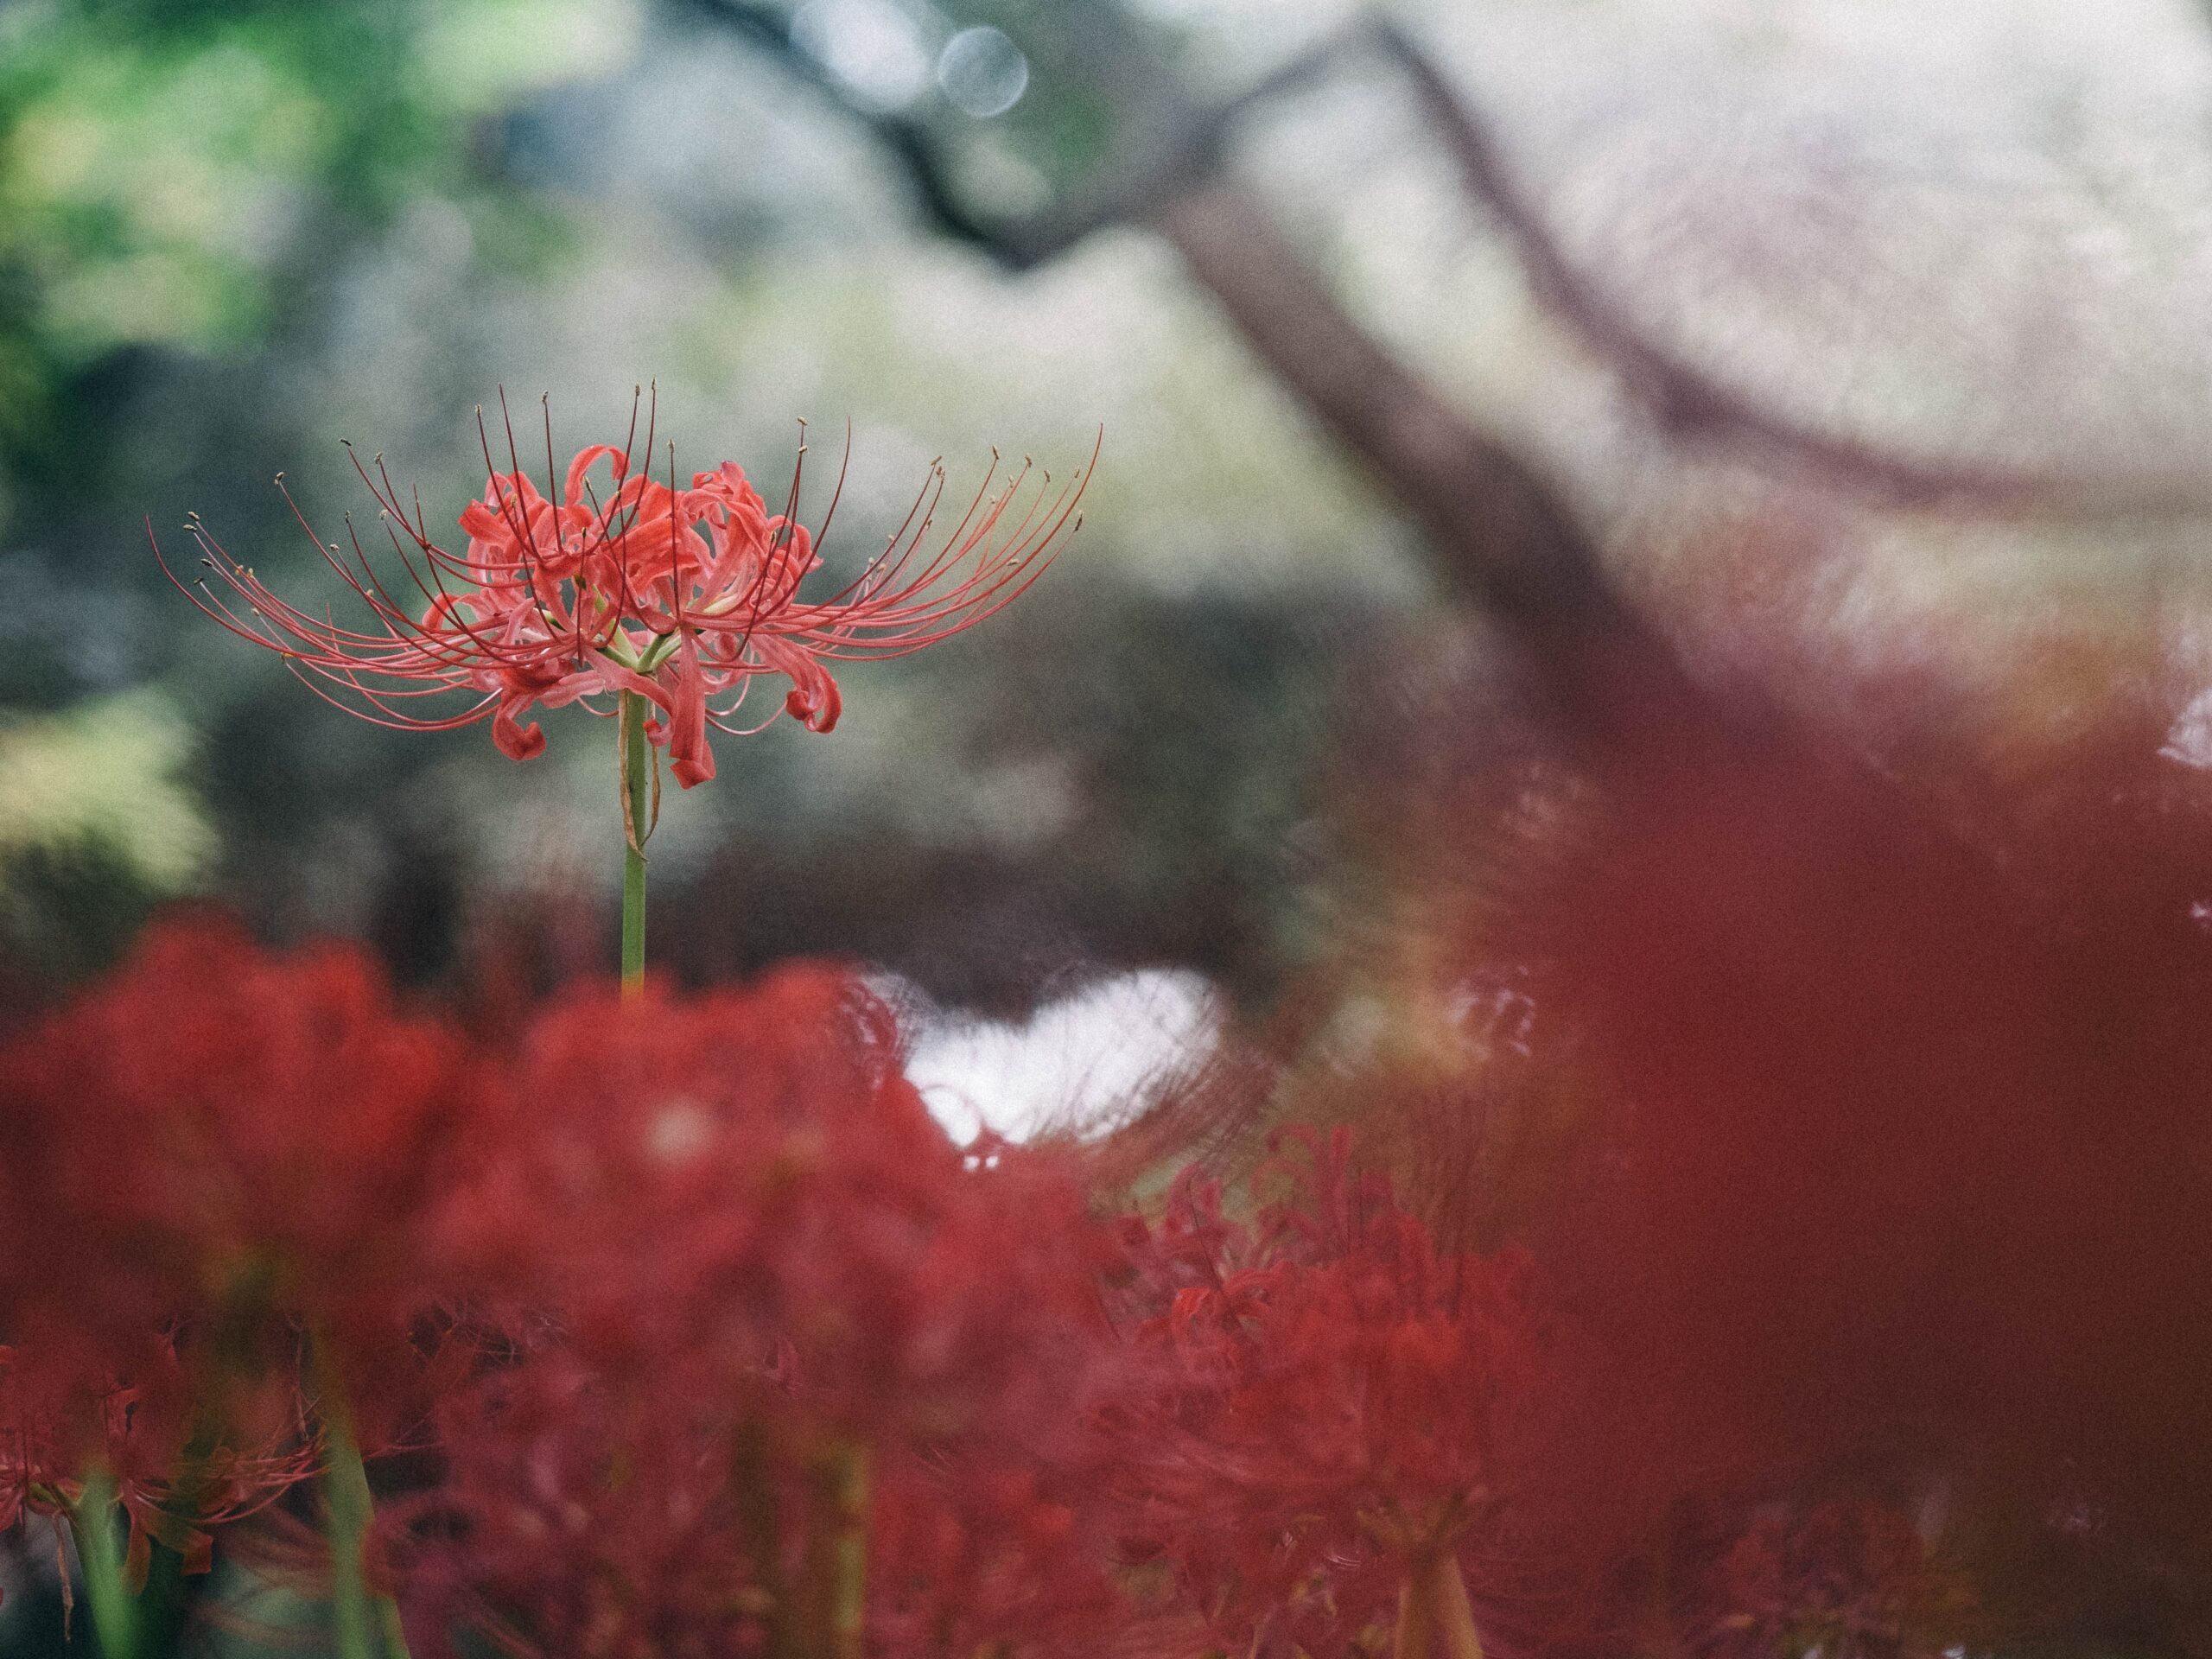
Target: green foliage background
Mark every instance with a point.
(231, 235)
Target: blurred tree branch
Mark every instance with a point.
(1499, 529)
(1685, 400)
(1175, 148)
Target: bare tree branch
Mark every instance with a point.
(1686, 401)
(1511, 534)
(1170, 143)
(1500, 532)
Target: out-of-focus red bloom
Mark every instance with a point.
(661, 1159)
(1911, 1146)
(972, 1555)
(1865, 1061)
(765, 1310)
(1849, 1581)
(627, 1517)
(52, 1435)
(1335, 1405)
(577, 1515)
(752, 1172)
(202, 1159)
(228, 1145)
(681, 595)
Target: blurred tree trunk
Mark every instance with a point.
(1499, 531)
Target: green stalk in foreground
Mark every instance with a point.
(101, 1555)
(640, 810)
(366, 1624)
(836, 1564)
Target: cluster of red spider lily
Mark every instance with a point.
(676, 1325)
(680, 597)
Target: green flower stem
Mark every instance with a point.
(848, 1624)
(638, 811)
(836, 1564)
(100, 1552)
(759, 1515)
(366, 1625)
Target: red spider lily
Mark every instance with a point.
(776, 1322)
(975, 1556)
(1853, 1580)
(1859, 1112)
(177, 1494)
(1331, 1425)
(571, 1517)
(226, 1143)
(681, 596)
(759, 1179)
(625, 1516)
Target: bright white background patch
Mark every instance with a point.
(871, 47)
(2190, 739)
(1088, 1060)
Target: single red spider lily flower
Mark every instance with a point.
(1333, 1420)
(230, 1139)
(56, 1428)
(682, 596)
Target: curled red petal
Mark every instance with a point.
(516, 741)
(688, 748)
(813, 699)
